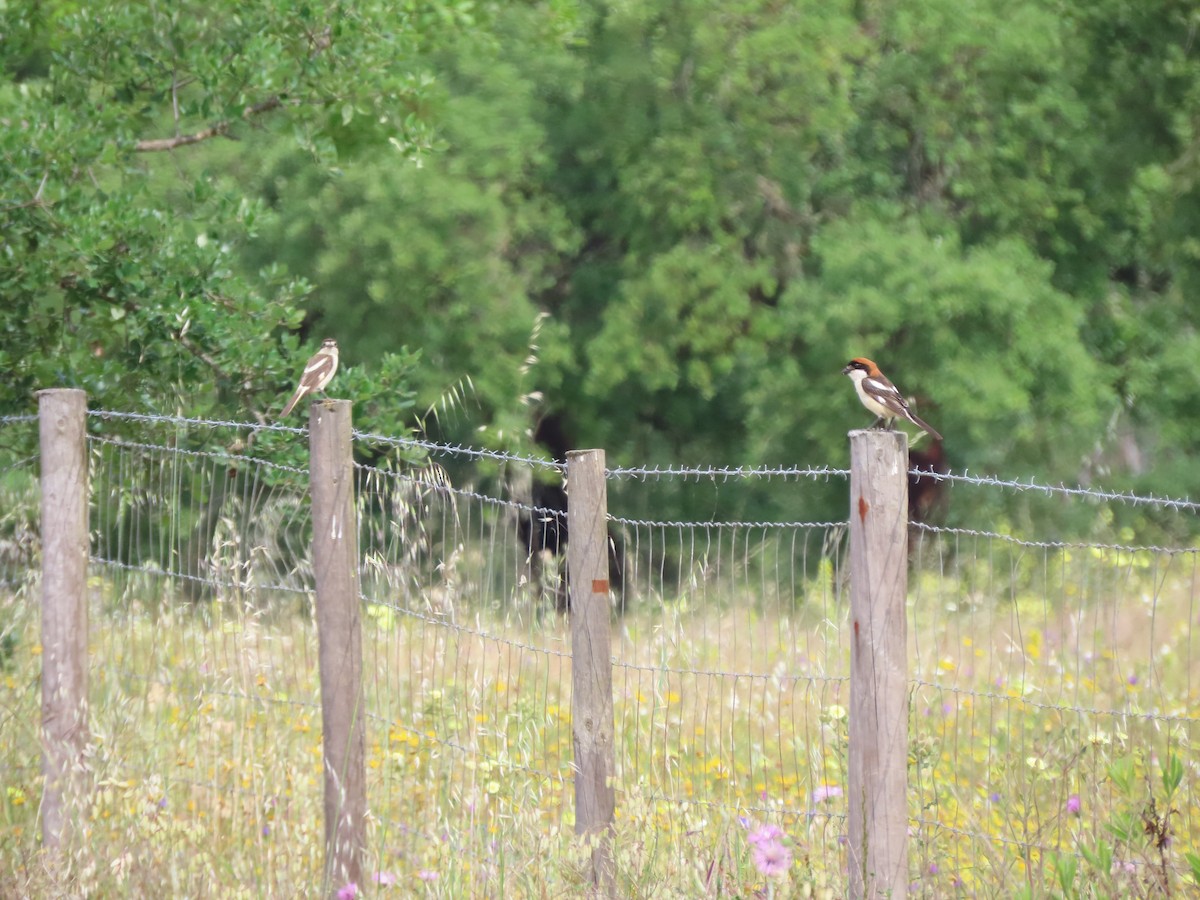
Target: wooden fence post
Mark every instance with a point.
(591, 657)
(339, 639)
(878, 772)
(62, 426)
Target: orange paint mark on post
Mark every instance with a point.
(600, 586)
(862, 508)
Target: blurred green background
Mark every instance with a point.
(659, 227)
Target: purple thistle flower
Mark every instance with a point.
(765, 834)
(387, 879)
(771, 858)
(347, 891)
(1073, 805)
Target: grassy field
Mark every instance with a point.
(1052, 739)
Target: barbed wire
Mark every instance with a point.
(443, 449)
(1051, 545)
(443, 487)
(716, 526)
(646, 472)
(159, 418)
(1031, 485)
(725, 473)
(18, 420)
(218, 456)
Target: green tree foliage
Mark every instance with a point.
(120, 273)
(962, 191)
(784, 186)
(668, 222)
(449, 256)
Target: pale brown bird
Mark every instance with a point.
(317, 374)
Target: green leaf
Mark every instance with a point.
(1065, 868)
(1125, 827)
(1100, 858)
(1193, 861)
(1172, 774)
(1122, 774)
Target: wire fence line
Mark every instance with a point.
(649, 472)
(1051, 679)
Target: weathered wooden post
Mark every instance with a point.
(62, 415)
(591, 658)
(339, 639)
(878, 772)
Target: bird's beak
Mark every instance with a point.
(846, 371)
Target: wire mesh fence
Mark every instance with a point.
(205, 702)
(1053, 689)
(1052, 676)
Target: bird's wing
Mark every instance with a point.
(885, 392)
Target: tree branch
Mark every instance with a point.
(154, 145)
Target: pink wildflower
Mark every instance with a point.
(771, 858)
(765, 834)
(825, 791)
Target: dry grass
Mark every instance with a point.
(1068, 681)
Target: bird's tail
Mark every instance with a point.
(291, 404)
(923, 425)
